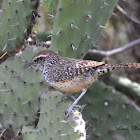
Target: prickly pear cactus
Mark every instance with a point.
(78, 24)
(51, 123)
(110, 115)
(20, 91)
(16, 21)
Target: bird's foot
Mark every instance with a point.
(80, 107)
(69, 111)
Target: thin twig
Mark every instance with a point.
(115, 51)
(126, 14)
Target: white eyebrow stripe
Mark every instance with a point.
(39, 56)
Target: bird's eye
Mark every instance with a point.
(35, 60)
(38, 59)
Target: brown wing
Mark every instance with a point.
(87, 64)
(82, 66)
(68, 68)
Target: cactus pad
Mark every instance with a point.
(19, 92)
(51, 123)
(78, 24)
(16, 20)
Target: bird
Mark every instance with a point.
(70, 75)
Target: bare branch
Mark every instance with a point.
(115, 51)
(126, 14)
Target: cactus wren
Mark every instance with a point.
(71, 75)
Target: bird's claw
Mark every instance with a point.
(68, 112)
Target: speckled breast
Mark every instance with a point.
(74, 85)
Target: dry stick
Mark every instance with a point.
(115, 51)
(128, 16)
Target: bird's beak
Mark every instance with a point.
(28, 65)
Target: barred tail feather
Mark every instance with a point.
(109, 67)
